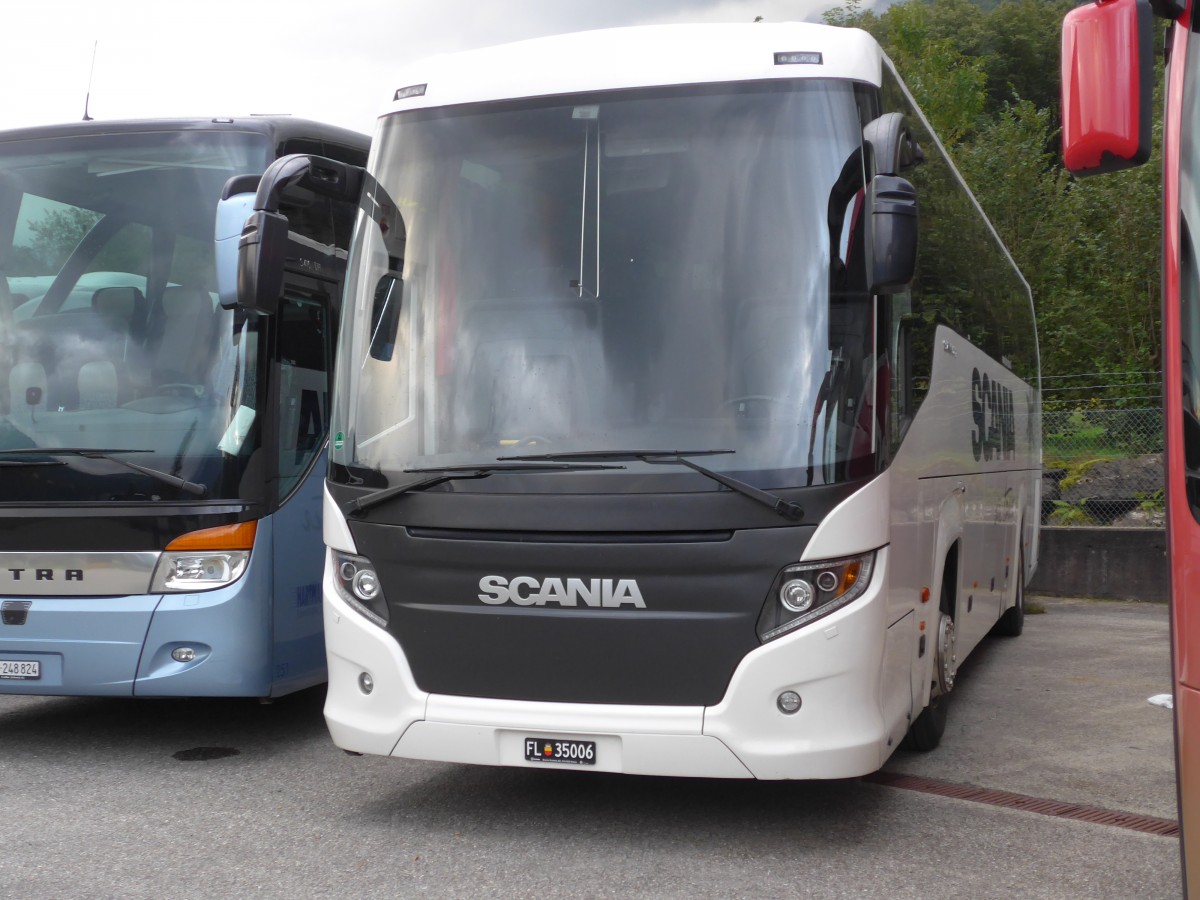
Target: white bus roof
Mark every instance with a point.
(640, 56)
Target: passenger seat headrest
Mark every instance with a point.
(118, 302)
(179, 300)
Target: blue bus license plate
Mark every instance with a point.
(578, 753)
(20, 669)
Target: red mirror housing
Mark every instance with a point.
(1107, 78)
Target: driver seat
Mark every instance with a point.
(186, 326)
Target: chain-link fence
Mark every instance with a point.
(1102, 442)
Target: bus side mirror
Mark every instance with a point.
(265, 243)
(1107, 77)
(234, 207)
(893, 234)
(385, 317)
(262, 251)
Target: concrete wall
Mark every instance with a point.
(1109, 563)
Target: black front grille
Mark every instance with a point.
(699, 604)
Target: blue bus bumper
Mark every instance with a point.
(122, 646)
(85, 645)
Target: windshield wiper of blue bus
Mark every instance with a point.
(777, 504)
(442, 474)
(107, 453)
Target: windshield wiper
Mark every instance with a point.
(106, 453)
(777, 504)
(5, 463)
(449, 473)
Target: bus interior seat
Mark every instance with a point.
(765, 334)
(122, 311)
(534, 370)
(99, 385)
(185, 330)
(119, 317)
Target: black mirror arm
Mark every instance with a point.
(280, 175)
(323, 176)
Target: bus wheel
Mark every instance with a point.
(946, 663)
(926, 731)
(1012, 623)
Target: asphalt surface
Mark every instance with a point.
(109, 798)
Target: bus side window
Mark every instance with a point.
(904, 399)
(1189, 331)
(303, 360)
(1189, 284)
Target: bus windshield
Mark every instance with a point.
(657, 269)
(111, 337)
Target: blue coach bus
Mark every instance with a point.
(161, 452)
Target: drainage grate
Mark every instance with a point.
(1094, 814)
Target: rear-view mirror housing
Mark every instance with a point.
(1107, 79)
(893, 234)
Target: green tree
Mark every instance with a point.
(53, 237)
(986, 75)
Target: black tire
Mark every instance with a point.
(926, 731)
(1012, 623)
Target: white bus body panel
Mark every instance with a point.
(944, 501)
(638, 57)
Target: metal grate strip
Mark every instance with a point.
(1025, 803)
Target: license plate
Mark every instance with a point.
(577, 753)
(20, 669)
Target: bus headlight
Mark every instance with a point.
(805, 592)
(205, 560)
(358, 584)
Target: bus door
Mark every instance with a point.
(303, 341)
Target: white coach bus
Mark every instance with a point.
(686, 414)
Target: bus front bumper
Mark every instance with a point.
(834, 664)
(123, 646)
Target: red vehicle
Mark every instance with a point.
(1107, 66)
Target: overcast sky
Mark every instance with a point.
(325, 60)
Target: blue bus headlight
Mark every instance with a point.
(205, 560)
(358, 584)
(199, 572)
(805, 592)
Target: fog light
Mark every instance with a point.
(796, 594)
(366, 683)
(183, 654)
(789, 702)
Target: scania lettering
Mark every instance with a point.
(526, 591)
(653, 412)
(161, 452)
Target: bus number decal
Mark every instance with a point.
(308, 595)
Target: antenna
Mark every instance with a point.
(88, 97)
